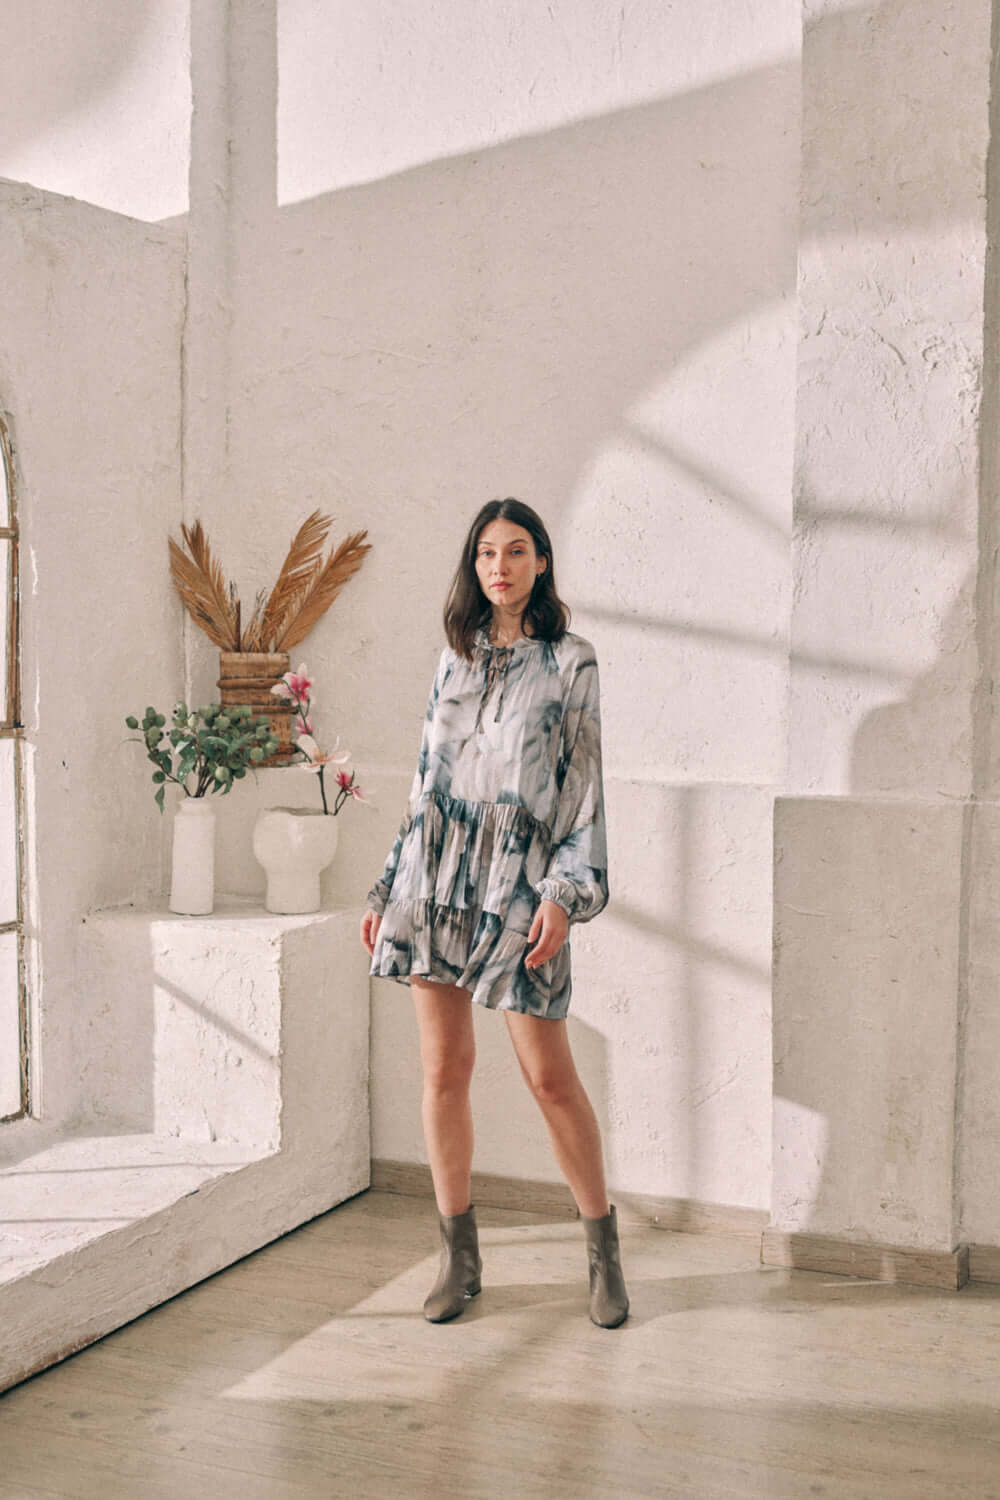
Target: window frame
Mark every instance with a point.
(12, 728)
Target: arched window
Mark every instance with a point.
(13, 1012)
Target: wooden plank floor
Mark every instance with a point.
(307, 1370)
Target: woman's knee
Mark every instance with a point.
(448, 1071)
(551, 1086)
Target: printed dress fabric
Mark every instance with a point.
(506, 810)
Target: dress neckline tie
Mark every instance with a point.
(497, 660)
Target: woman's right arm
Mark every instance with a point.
(378, 896)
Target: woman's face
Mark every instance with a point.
(507, 565)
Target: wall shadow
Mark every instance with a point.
(483, 324)
(486, 322)
(57, 61)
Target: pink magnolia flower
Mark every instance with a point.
(319, 758)
(345, 780)
(294, 685)
(296, 688)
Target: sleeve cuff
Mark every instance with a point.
(560, 892)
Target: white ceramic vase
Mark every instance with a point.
(192, 880)
(294, 845)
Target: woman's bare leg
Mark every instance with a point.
(448, 1053)
(546, 1061)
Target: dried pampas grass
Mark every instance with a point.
(207, 597)
(305, 589)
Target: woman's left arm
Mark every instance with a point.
(577, 875)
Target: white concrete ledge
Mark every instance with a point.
(62, 1197)
(235, 1052)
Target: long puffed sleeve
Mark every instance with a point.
(577, 875)
(378, 896)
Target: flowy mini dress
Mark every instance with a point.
(506, 810)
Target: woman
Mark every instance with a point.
(501, 849)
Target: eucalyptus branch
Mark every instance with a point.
(216, 746)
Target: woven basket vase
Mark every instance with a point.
(248, 677)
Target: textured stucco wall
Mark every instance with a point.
(257, 1025)
(576, 287)
(156, 1026)
(561, 265)
(873, 890)
(94, 136)
(90, 374)
(977, 1154)
(895, 130)
(95, 102)
(978, 1099)
(865, 1018)
(670, 1022)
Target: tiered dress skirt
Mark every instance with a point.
(470, 870)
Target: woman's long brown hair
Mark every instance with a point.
(468, 609)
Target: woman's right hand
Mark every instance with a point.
(370, 924)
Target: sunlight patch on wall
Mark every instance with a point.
(675, 511)
(369, 91)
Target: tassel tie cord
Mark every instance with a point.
(497, 660)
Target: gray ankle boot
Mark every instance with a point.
(458, 1276)
(608, 1297)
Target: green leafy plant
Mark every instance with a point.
(210, 747)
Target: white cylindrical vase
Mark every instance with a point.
(294, 845)
(192, 881)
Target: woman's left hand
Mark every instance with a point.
(548, 933)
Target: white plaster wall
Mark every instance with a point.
(98, 310)
(274, 1026)
(570, 275)
(372, 92)
(890, 296)
(584, 297)
(871, 926)
(977, 1156)
(89, 372)
(670, 1020)
(95, 102)
(867, 955)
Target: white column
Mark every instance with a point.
(870, 886)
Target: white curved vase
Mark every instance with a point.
(192, 879)
(294, 844)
